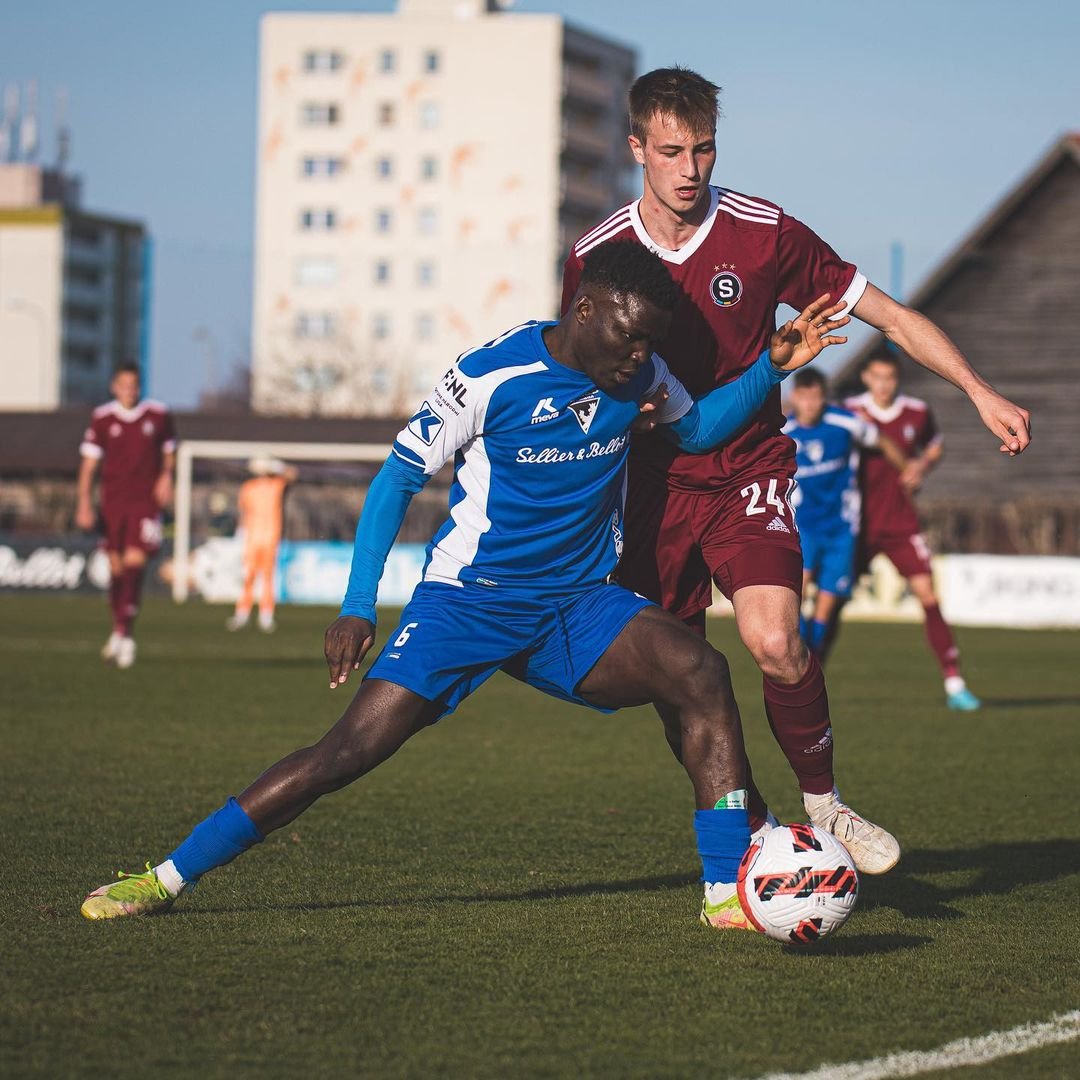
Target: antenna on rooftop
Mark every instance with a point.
(29, 131)
(63, 132)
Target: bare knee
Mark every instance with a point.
(701, 676)
(779, 652)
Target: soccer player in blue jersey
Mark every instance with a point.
(827, 503)
(538, 423)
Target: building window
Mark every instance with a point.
(323, 60)
(384, 220)
(429, 167)
(429, 115)
(84, 275)
(425, 274)
(316, 271)
(428, 220)
(83, 356)
(432, 61)
(315, 324)
(387, 61)
(319, 114)
(386, 114)
(322, 166)
(425, 326)
(380, 327)
(384, 168)
(82, 315)
(382, 272)
(322, 219)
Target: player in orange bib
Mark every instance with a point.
(260, 505)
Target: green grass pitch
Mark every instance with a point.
(514, 894)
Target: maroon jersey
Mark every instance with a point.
(747, 257)
(132, 444)
(887, 507)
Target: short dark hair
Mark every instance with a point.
(881, 358)
(808, 376)
(128, 368)
(622, 266)
(678, 92)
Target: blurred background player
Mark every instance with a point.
(134, 443)
(890, 522)
(260, 505)
(827, 444)
(723, 517)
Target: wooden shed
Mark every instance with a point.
(1009, 296)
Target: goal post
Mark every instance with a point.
(189, 450)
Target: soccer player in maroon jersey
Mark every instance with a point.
(134, 443)
(725, 516)
(890, 523)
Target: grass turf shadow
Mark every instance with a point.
(998, 869)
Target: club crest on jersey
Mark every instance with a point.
(148, 427)
(584, 409)
(115, 431)
(726, 288)
(425, 424)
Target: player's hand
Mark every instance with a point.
(346, 644)
(911, 479)
(1010, 423)
(799, 340)
(85, 517)
(646, 421)
(163, 490)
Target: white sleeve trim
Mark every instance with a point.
(679, 401)
(91, 450)
(854, 292)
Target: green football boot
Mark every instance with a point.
(133, 894)
(721, 909)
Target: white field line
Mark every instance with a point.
(998, 1044)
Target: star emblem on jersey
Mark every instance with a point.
(584, 409)
(425, 424)
(726, 288)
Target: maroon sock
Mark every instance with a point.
(941, 641)
(799, 717)
(130, 592)
(116, 587)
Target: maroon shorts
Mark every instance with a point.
(132, 527)
(678, 543)
(909, 553)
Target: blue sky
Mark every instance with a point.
(872, 122)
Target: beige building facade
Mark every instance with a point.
(74, 293)
(420, 177)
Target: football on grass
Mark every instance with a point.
(797, 884)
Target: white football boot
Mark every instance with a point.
(125, 653)
(109, 649)
(873, 850)
(266, 622)
(237, 621)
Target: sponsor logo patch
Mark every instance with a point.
(426, 424)
(777, 525)
(544, 411)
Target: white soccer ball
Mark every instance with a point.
(797, 884)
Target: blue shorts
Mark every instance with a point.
(829, 558)
(451, 640)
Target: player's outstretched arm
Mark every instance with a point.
(720, 414)
(350, 637)
(927, 344)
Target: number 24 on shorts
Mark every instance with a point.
(781, 503)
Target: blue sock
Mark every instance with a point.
(226, 833)
(722, 839)
(804, 628)
(818, 632)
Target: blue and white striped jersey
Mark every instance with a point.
(537, 496)
(827, 459)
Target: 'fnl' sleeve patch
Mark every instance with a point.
(426, 424)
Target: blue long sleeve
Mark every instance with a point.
(380, 521)
(719, 414)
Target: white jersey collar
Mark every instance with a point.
(695, 241)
